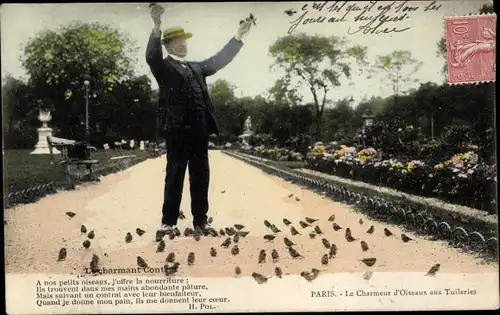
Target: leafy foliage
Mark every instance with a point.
(320, 63)
(398, 67)
(58, 63)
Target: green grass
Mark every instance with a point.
(22, 170)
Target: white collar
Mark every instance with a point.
(177, 58)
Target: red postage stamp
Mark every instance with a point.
(471, 48)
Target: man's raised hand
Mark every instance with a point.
(244, 28)
(156, 12)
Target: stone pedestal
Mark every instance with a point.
(42, 147)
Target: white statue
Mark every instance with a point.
(248, 126)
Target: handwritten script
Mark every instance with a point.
(372, 18)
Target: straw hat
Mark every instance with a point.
(174, 32)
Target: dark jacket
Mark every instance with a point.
(170, 113)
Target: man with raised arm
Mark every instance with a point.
(186, 115)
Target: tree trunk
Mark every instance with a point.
(318, 125)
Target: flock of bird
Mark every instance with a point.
(234, 233)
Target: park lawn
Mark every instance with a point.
(22, 170)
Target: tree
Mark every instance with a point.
(316, 61)
(18, 114)
(398, 67)
(222, 92)
(59, 61)
(281, 93)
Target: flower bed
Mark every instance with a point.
(461, 179)
(275, 154)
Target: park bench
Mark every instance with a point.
(120, 155)
(121, 160)
(73, 155)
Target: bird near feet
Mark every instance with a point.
(331, 218)
(139, 231)
(70, 214)
(83, 229)
(86, 244)
(161, 247)
(159, 236)
(181, 215)
(170, 257)
(387, 232)
(226, 243)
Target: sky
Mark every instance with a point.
(213, 24)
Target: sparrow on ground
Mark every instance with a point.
(62, 254)
(190, 259)
(161, 247)
(369, 261)
(139, 231)
(141, 262)
(86, 244)
(433, 270)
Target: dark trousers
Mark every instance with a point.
(187, 147)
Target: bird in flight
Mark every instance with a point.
(290, 12)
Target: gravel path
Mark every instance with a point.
(239, 193)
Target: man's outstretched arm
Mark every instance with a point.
(154, 53)
(213, 64)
